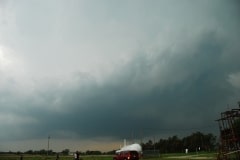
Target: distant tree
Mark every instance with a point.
(19, 152)
(162, 145)
(148, 146)
(93, 152)
(29, 152)
(174, 144)
(42, 152)
(209, 142)
(111, 152)
(65, 152)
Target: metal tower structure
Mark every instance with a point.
(229, 125)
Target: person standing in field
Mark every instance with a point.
(76, 155)
(57, 158)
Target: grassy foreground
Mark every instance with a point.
(180, 156)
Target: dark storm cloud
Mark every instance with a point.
(191, 101)
(91, 70)
(177, 90)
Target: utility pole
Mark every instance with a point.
(154, 143)
(48, 145)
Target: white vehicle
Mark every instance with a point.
(132, 147)
(129, 152)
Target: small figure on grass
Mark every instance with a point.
(76, 155)
(57, 158)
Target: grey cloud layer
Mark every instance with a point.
(170, 70)
(180, 88)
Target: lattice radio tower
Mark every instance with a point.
(229, 125)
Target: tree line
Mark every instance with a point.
(63, 152)
(195, 142)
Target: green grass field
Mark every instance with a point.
(177, 156)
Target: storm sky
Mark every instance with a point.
(91, 73)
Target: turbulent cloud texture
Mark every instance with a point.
(102, 71)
